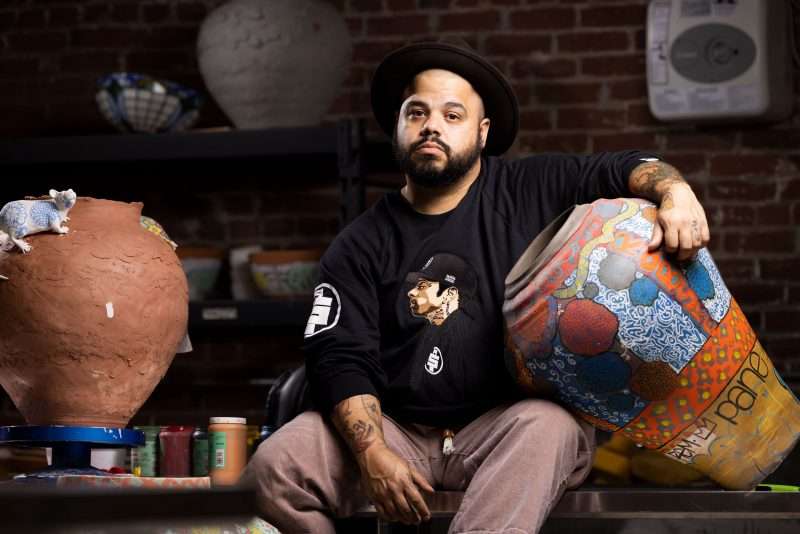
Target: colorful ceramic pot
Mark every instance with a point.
(286, 273)
(139, 103)
(202, 266)
(274, 63)
(91, 319)
(637, 344)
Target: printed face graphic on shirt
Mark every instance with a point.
(427, 300)
(443, 286)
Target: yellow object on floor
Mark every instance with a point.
(654, 467)
(619, 461)
(612, 461)
(613, 464)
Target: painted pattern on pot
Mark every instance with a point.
(636, 343)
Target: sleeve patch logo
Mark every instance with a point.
(325, 312)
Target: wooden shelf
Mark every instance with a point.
(122, 165)
(117, 164)
(196, 145)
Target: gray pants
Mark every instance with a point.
(514, 462)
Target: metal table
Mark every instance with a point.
(640, 511)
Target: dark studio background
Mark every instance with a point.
(578, 67)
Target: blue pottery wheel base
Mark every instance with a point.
(71, 446)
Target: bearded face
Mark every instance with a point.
(441, 129)
(428, 169)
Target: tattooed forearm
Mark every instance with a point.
(372, 407)
(361, 434)
(358, 420)
(652, 180)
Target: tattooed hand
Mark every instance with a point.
(681, 222)
(393, 486)
(389, 481)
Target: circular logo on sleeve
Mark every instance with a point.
(325, 311)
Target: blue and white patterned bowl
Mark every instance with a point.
(139, 103)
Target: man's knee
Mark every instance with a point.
(295, 442)
(545, 418)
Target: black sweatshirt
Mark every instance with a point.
(409, 305)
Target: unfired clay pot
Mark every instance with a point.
(274, 63)
(638, 344)
(90, 320)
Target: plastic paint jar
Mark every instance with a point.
(175, 444)
(227, 449)
(200, 453)
(144, 458)
(253, 433)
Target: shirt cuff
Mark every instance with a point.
(636, 160)
(331, 391)
(631, 163)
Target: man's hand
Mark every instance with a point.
(681, 222)
(389, 482)
(393, 486)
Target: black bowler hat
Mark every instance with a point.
(399, 67)
(449, 270)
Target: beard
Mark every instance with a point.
(423, 171)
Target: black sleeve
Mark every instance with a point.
(563, 180)
(341, 341)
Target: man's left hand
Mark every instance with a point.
(681, 223)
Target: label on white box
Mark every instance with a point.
(220, 314)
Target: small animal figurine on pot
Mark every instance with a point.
(21, 218)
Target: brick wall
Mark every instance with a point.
(578, 69)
